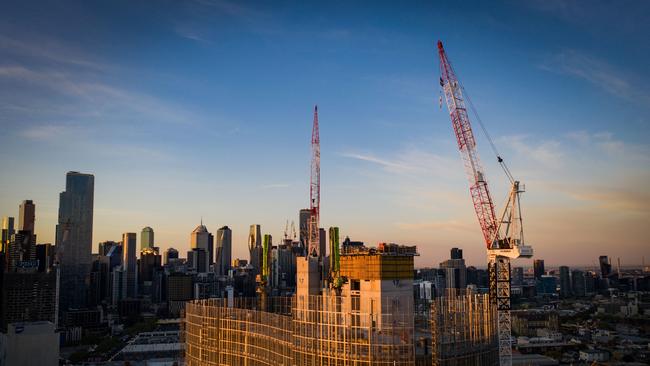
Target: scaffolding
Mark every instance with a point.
(331, 330)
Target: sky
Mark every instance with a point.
(202, 110)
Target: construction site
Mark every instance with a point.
(355, 305)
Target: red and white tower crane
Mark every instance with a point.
(504, 236)
(313, 247)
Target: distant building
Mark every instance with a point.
(322, 243)
(538, 268)
(565, 282)
(45, 256)
(170, 254)
(578, 283)
(129, 244)
(605, 266)
(547, 285)
(223, 250)
(255, 248)
(74, 234)
(202, 239)
(304, 218)
(146, 239)
(150, 262)
(8, 231)
(197, 260)
(518, 276)
(27, 216)
(455, 270)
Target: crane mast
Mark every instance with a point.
(503, 237)
(313, 248)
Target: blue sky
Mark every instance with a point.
(202, 108)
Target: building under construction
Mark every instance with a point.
(362, 313)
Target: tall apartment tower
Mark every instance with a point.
(74, 237)
(146, 238)
(255, 247)
(538, 268)
(201, 238)
(27, 216)
(223, 250)
(129, 243)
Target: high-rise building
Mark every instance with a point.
(538, 268)
(578, 283)
(26, 295)
(44, 256)
(7, 232)
(304, 218)
(565, 282)
(223, 250)
(456, 272)
(130, 262)
(146, 238)
(255, 248)
(74, 237)
(605, 266)
(170, 254)
(197, 260)
(201, 238)
(27, 216)
(150, 262)
(106, 246)
(518, 276)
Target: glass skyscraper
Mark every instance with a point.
(74, 236)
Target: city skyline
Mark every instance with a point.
(390, 171)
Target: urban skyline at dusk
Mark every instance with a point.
(203, 111)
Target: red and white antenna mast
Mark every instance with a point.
(313, 248)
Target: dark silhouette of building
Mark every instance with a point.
(74, 239)
(538, 268)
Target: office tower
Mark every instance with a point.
(322, 243)
(456, 253)
(150, 262)
(578, 283)
(27, 216)
(129, 243)
(223, 250)
(303, 221)
(146, 238)
(7, 232)
(605, 266)
(170, 254)
(565, 282)
(201, 238)
(455, 270)
(45, 256)
(74, 239)
(538, 268)
(197, 260)
(518, 276)
(255, 248)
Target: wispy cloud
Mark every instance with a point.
(44, 48)
(600, 74)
